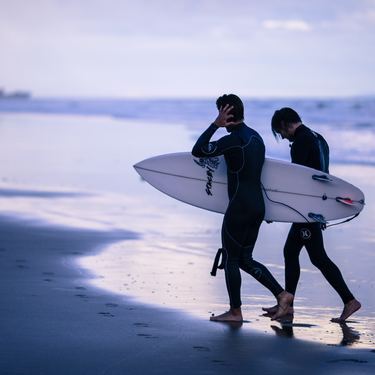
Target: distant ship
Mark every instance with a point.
(19, 94)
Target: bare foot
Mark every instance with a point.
(273, 310)
(233, 315)
(349, 308)
(285, 299)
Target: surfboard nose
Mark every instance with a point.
(139, 165)
(138, 169)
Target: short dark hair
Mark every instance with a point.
(232, 100)
(283, 118)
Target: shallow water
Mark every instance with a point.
(77, 171)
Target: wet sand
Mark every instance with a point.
(54, 322)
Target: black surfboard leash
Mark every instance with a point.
(283, 204)
(323, 225)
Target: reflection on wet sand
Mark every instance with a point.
(233, 326)
(180, 280)
(350, 336)
(318, 327)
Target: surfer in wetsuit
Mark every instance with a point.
(244, 153)
(310, 149)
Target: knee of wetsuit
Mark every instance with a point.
(319, 261)
(289, 255)
(245, 261)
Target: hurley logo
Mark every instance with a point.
(305, 234)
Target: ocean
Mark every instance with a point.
(347, 124)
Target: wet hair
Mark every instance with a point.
(233, 100)
(282, 118)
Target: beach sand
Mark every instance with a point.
(101, 274)
(54, 323)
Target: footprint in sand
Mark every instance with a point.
(347, 360)
(106, 314)
(143, 335)
(48, 273)
(220, 362)
(202, 348)
(21, 264)
(141, 325)
(83, 296)
(147, 336)
(111, 304)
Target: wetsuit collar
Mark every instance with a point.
(299, 130)
(233, 128)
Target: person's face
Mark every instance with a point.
(286, 132)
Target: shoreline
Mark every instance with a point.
(53, 322)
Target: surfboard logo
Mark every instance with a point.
(305, 233)
(210, 164)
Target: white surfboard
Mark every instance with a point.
(292, 193)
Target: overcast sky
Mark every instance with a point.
(169, 48)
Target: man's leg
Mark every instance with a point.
(319, 258)
(232, 278)
(292, 249)
(260, 272)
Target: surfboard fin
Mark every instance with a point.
(321, 177)
(318, 218)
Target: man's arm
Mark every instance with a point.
(204, 148)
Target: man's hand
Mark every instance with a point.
(223, 118)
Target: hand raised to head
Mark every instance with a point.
(224, 116)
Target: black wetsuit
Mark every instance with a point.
(310, 149)
(244, 152)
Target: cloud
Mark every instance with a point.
(289, 25)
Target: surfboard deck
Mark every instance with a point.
(292, 193)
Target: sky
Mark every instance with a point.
(181, 48)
